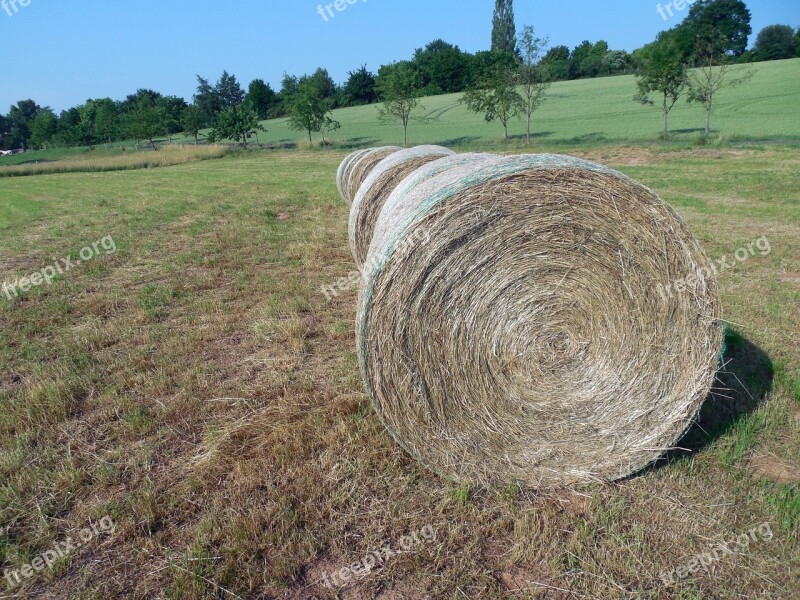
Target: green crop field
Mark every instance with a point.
(588, 111)
(192, 383)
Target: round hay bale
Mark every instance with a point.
(369, 199)
(343, 172)
(360, 168)
(511, 326)
(422, 174)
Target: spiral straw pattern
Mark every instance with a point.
(511, 326)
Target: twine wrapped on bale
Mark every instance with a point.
(510, 327)
(356, 167)
(375, 189)
(426, 172)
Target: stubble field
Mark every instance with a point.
(196, 387)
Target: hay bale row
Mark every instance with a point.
(510, 327)
(356, 167)
(377, 186)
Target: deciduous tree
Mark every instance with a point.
(398, 86)
(69, 124)
(443, 68)
(5, 133)
(192, 121)
(713, 74)
(533, 75)
(309, 108)
(557, 62)
(261, 98)
(776, 42)
(360, 87)
(144, 122)
(725, 22)
(106, 120)
(496, 97)
(236, 123)
(662, 72)
(21, 117)
(170, 111)
(43, 128)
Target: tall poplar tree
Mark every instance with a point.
(504, 32)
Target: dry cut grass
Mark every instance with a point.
(127, 161)
(199, 389)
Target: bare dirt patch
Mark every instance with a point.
(775, 468)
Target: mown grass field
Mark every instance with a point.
(198, 388)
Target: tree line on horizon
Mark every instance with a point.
(509, 80)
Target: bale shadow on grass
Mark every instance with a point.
(460, 141)
(741, 385)
(358, 142)
(594, 137)
(534, 135)
(691, 130)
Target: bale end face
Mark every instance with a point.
(528, 339)
(356, 167)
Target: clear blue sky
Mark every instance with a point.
(62, 52)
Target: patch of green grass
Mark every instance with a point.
(785, 499)
(138, 421)
(154, 299)
(789, 381)
(461, 494)
(741, 437)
